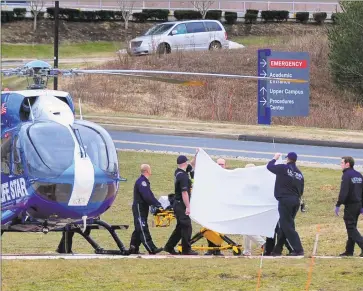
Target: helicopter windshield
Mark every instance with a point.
(48, 148)
(98, 145)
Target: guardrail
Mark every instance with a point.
(229, 5)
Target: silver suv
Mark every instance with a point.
(180, 35)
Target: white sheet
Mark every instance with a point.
(238, 201)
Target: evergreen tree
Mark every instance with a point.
(346, 47)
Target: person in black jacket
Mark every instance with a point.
(351, 195)
(289, 187)
(181, 206)
(143, 198)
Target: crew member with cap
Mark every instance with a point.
(181, 206)
(143, 198)
(351, 195)
(289, 187)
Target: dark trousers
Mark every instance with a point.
(141, 233)
(183, 229)
(271, 242)
(351, 214)
(288, 208)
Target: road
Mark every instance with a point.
(231, 148)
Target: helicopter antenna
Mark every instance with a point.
(80, 109)
(31, 111)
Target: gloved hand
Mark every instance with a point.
(337, 210)
(158, 210)
(302, 207)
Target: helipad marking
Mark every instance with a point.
(148, 257)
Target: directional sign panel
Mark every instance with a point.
(264, 111)
(282, 97)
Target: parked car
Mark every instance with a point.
(180, 35)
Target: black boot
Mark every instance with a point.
(170, 251)
(345, 254)
(156, 251)
(134, 250)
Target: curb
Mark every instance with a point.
(252, 138)
(300, 141)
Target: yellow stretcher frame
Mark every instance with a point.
(164, 219)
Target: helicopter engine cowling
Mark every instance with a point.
(51, 108)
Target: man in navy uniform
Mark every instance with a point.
(289, 188)
(143, 198)
(351, 195)
(181, 206)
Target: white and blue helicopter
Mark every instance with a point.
(59, 173)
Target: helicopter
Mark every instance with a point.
(59, 173)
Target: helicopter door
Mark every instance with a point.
(13, 185)
(18, 167)
(5, 156)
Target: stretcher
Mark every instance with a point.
(165, 217)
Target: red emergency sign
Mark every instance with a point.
(294, 64)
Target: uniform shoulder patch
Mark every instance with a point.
(143, 183)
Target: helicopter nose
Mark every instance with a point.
(84, 178)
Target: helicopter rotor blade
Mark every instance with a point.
(160, 79)
(188, 74)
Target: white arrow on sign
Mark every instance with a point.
(263, 74)
(263, 101)
(263, 89)
(263, 63)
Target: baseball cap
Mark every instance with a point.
(292, 156)
(181, 160)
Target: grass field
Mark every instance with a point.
(99, 48)
(322, 186)
(254, 40)
(88, 49)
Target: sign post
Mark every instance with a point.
(282, 97)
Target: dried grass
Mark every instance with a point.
(221, 99)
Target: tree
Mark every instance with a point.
(36, 7)
(126, 7)
(346, 43)
(202, 6)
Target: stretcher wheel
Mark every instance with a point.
(236, 252)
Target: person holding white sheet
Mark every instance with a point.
(259, 240)
(289, 188)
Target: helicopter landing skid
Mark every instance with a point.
(111, 229)
(76, 228)
(99, 224)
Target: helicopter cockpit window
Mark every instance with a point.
(48, 148)
(99, 146)
(18, 168)
(24, 112)
(5, 155)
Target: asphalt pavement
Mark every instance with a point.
(231, 148)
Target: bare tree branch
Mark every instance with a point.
(202, 6)
(126, 7)
(36, 7)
